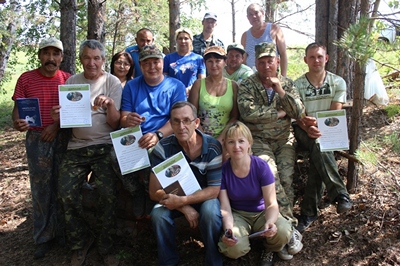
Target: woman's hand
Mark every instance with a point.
(271, 230)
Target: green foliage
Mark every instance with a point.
(124, 254)
(392, 110)
(357, 42)
(393, 141)
(367, 152)
(297, 67)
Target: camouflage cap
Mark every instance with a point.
(150, 51)
(216, 50)
(236, 46)
(51, 42)
(265, 49)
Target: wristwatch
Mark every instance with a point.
(159, 134)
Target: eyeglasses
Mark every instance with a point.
(123, 64)
(177, 122)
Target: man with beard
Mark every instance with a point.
(44, 144)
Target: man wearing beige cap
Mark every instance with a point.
(235, 69)
(147, 101)
(45, 142)
(267, 102)
(206, 38)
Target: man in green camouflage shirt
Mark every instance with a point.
(267, 101)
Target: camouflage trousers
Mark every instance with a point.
(43, 162)
(137, 184)
(323, 171)
(280, 156)
(75, 167)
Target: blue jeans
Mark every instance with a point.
(210, 224)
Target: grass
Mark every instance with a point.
(367, 153)
(7, 90)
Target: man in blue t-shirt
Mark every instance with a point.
(143, 37)
(146, 101)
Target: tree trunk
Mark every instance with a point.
(96, 15)
(233, 21)
(174, 23)
(8, 39)
(270, 8)
(68, 10)
(358, 105)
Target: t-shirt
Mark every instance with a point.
(245, 193)
(251, 43)
(240, 74)
(214, 111)
(152, 102)
(206, 167)
(319, 99)
(32, 84)
(134, 52)
(184, 68)
(99, 132)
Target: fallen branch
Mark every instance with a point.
(349, 157)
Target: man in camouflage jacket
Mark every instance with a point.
(267, 102)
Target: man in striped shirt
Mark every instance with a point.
(46, 143)
(201, 209)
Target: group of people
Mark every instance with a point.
(229, 111)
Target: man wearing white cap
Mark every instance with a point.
(235, 69)
(206, 38)
(44, 143)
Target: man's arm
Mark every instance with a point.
(281, 44)
(243, 42)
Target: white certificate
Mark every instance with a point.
(333, 127)
(75, 105)
(130, 156)
(176, 176)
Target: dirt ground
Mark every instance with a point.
(368, 234)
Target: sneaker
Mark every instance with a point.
(343, 203)
(79, 255)
(305, 222)
(295, 245)
(41, 250)
(267, 258)
(110, 260)
(284, 254)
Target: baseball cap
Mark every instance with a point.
(150, 51)
(236, 46)
(53, 42)
(210, 15)
(216, 50)
(265, 49)
(185, 30)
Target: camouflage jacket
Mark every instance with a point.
(261, 117)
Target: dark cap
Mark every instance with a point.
(210, 15)
(215, 50)
(265, 49)
(150, 51)
(235, 46)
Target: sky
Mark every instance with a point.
(223, 29)
(300, 22)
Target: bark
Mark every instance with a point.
(96, 17)
(233, 21)
(7, 40)
(270, 8)
(174, 23)
(358, 105)
(68, 10)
